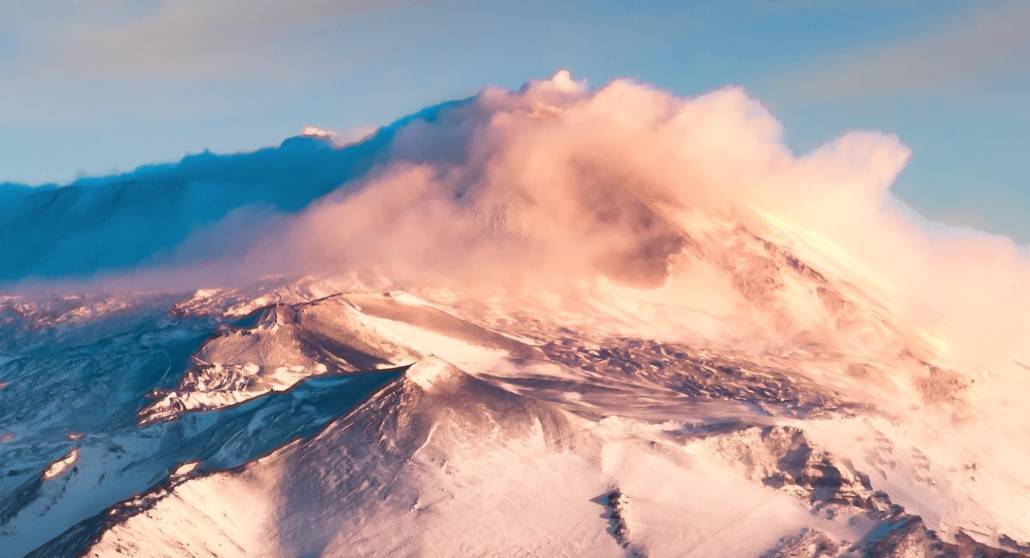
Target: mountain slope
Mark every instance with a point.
(552, 321)
(554, 421)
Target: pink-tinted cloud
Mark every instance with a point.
(558, 186)
(988, 40)
(560, 183)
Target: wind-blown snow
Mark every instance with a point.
(558, 320)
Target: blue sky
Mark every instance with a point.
(93, 87)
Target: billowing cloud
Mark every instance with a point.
(632, 210)
(561, 185)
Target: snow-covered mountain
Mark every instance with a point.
(556, 321)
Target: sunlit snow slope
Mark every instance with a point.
(551, 322)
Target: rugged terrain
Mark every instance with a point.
(371, 423)
(483, 332)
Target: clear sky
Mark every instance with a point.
(90, 87)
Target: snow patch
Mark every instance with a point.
(186, 468)
(430, 372)
(61, 465)
(316, 132)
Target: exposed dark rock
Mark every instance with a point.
(808, 543)
(909, 537)
(616, 503)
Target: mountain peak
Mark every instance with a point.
(316, 132)
(433, 373)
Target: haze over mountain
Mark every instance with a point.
(557, 320)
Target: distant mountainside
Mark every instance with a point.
(548, 322)
(116, 223)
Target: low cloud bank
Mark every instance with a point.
(559, 183)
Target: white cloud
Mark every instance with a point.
(557, 183)
(985, 42)
(163, 38)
